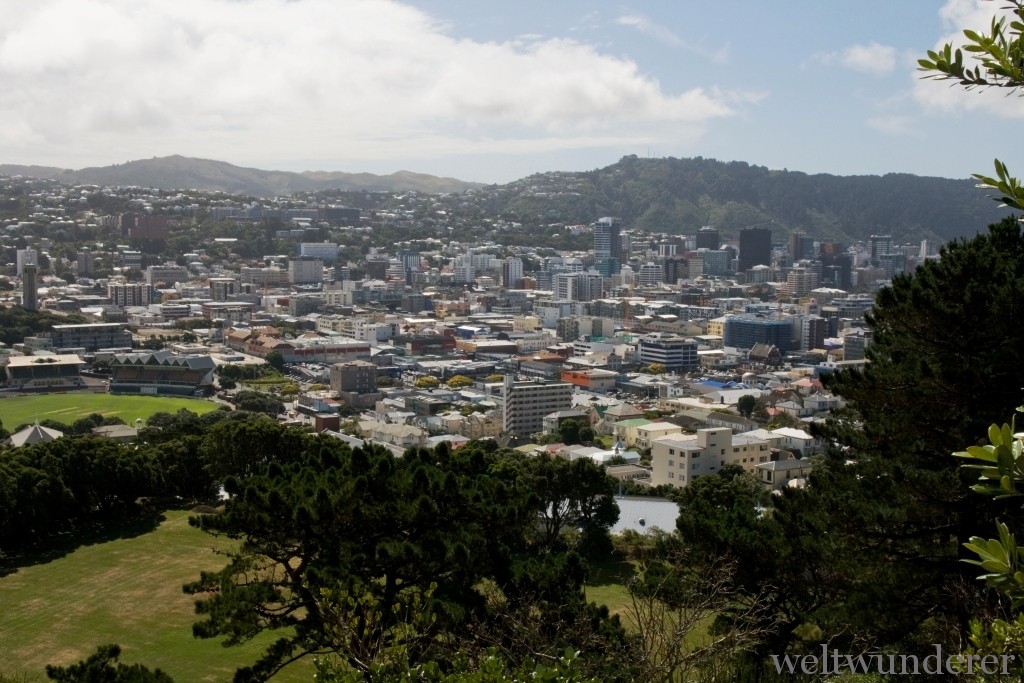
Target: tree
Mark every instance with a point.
(362, 532)
(672, 601)
(427, 382)
(257, 402)
(576, 495)
(275, 360)
(746, 404)
(246, 448)
(428, 557)
(460, 382)
(784, 565)
(100, 668)
(569, 432)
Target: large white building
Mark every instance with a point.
(577, 286)
(675, 353)
(463, 269)
(527, 403)
(679, 459)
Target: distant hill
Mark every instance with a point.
(178, 172)
(681, 195)
(663, 195)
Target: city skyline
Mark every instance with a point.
(494, 93)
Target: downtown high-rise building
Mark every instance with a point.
(608, 246)
(512, 273)
(755, 248)
(708, 238)
(30, 287)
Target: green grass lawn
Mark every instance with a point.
(125, 591)
(606, 583)
(66, 408)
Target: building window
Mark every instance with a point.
(671, 463)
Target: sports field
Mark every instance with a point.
(125, 591)
(66, 408)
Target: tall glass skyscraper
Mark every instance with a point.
(608, 246)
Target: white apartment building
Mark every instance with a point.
(675, 353)
(463, 269)
(527, 403)
(679, 459)
(358, 328)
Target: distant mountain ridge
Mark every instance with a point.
(682, 195)
(661, 195)
(179, 172)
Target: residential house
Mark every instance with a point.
(779, 474)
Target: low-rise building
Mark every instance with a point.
(598, 381)
(677, 460)
(91, 336)
(42, 373)
(779, 474)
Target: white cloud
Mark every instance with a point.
(648, 27)
(871, 58)
(665, 35)
(307, 79)
(897, 126)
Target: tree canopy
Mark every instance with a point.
(361, 551)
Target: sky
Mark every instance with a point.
(492, 91)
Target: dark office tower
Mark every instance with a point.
(755, 248)
(836, 265)
(801, 246)
(708, 238)
(879, 245)
(608, 246)
(29, 287)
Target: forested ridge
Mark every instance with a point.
(682, 195)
